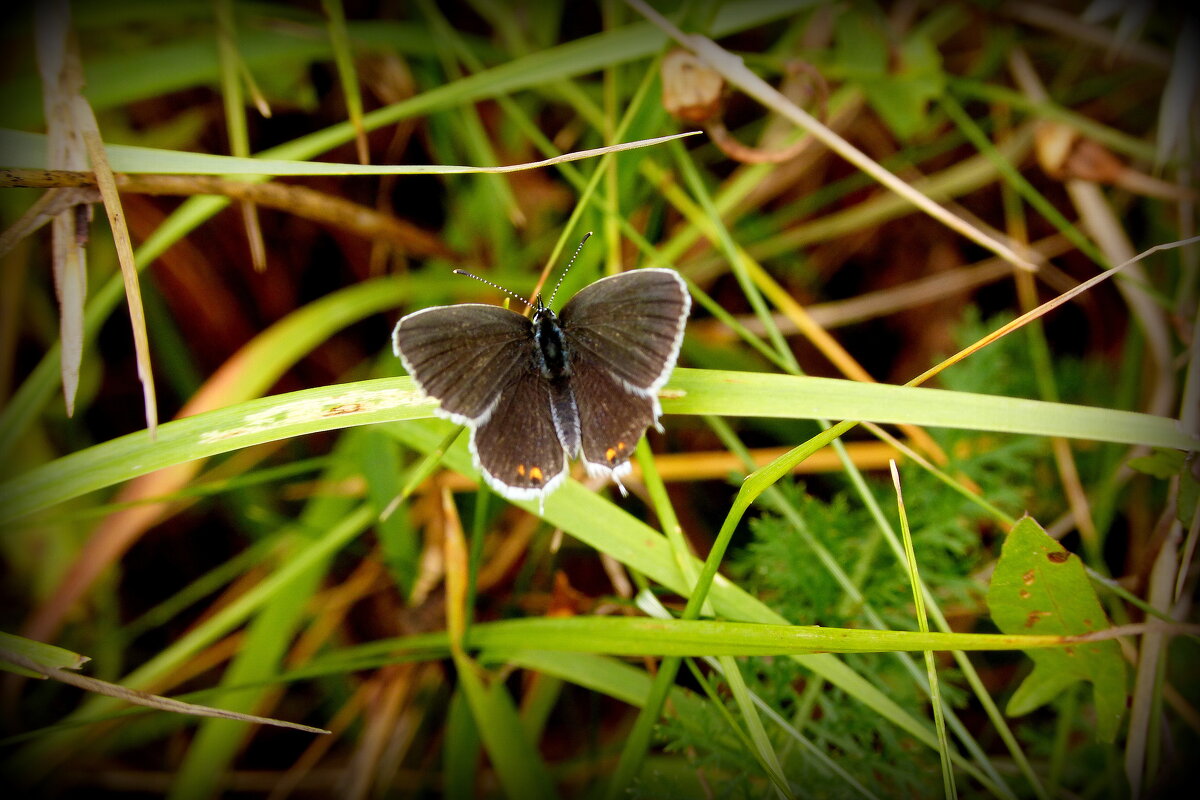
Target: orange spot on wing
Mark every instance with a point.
(613, 452)
(521, 470)
(535, 474)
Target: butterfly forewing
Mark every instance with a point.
(517, 448)
(630, 325)
(465, 356)
(624, 334)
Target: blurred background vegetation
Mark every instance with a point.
(281, 578)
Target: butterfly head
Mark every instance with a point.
(541, 311)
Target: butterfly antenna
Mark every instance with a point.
(586, 236)
(508, 292)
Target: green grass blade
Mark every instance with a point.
(518, 766)
(38, 653)
(343, 57)
(639, 636)
(28, 151)
(764, 395)
(935, 693)
(704, 392)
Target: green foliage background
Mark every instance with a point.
(293, 557)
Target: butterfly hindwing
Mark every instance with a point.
(517, 448)
(465, 356)
(611, 419)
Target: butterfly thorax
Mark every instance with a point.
(551, 351)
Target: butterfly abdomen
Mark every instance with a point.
(566, 416)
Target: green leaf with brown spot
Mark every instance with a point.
(1039, 587)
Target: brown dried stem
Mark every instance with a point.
(299, 200)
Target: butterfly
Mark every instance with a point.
(537, 391)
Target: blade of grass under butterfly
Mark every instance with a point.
(703, 392)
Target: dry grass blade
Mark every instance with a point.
(1180, 95)
(149, 700)
(231, 68)
(455, 552)
(62, 81)
(45, 209)
(1044, 309)
(1152, 651)
(75, 139)
(300, 201)
(905, 296)
(1101, 222)
(387, 693)
(86, 121)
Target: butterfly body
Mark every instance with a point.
(552, 358)
(537, 392)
